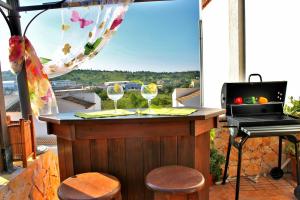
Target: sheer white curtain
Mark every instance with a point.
(85, 31)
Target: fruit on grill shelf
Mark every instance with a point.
(263, 100)
(250, 100)
(238, 100)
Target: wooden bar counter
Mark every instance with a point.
(129, 147)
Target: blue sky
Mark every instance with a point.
(155, 36)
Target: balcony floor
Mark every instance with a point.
(265, 189)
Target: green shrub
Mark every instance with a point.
(216, 159)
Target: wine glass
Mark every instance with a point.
(115, 92)
(149, 92)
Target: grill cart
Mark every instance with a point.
(255, 109)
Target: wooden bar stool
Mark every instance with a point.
(90, 186)
(175, 183)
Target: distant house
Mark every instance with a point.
(110, 83)
(186, 97)
(127, 85)
(67, 101)
(9, 87)
(11, 101)
(70, 100)
(195, 83)
(64, 84)
(160, 82)
(132, 86)
(77, 99)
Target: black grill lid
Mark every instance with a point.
(273, 91)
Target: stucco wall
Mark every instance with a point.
(260, 155)
(215, 22)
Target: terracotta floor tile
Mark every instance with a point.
(265, 189)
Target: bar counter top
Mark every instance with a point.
(129, 147)
(200, 114)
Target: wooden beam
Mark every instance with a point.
(5, 5)
(57, 5)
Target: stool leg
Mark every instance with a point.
(161, 196)
(194, 196)
(227, 161)
(166, 196)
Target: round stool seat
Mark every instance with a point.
(89, 186)
(175, 179)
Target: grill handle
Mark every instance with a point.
(251, 75)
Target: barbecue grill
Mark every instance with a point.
(249, 118)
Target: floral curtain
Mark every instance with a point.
(42, 98)
(85, 31)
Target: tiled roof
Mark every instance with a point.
(188, 96)
(14, 107)
(82, 102)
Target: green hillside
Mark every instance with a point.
(131, 99)
(96, 77)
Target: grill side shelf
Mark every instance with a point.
(264, 131)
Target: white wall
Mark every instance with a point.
(273, 41)
(215, 51)
(180, 92)
(90, 97)
(68, 106)
(193, 102)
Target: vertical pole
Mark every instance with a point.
(6, 152)
(14, 19)
(242, 40)
(237, 40)
(201, 65)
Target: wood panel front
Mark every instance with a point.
(130, 159)
(99, 155)
(134, 168)
(117, 165)
(125, 130)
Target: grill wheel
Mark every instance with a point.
(276, 173)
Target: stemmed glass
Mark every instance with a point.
(115, 93)
(149, 92)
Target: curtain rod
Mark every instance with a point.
(60, 4)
